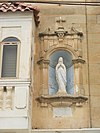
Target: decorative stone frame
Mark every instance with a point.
(7, 42)
(71, 41)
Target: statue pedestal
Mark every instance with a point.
(61, 92)
(62, 100)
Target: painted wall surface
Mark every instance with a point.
(17, 25)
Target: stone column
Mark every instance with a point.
(1, 97)
(42, 46)
(78, 76)
(44, 65)
(79, 41)
(46, 45)
(75, 43)
(9, 97)
(78, 44)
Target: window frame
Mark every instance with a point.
(17, 43)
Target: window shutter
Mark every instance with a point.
(9, 61)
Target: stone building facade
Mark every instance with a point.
(33, 100)
(74, 29)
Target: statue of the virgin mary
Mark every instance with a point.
(61, 76)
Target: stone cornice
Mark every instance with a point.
(55, 34)
(43, 61)
(15, 82)
(61, 32)
(79, 60)
(62, 100)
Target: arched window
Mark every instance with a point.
(9, 55)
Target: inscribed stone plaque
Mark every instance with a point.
(62, 112)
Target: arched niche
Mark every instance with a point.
(52, 83)
(66, 44)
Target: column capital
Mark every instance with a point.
(43, 62)
(79, 60)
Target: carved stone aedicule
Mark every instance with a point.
(67, 85)
(61, 66)
(61, 37)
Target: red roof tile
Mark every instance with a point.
(18, 6)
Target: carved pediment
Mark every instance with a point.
(61, 32)
(61, 37)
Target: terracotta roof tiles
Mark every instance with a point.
(18, 6)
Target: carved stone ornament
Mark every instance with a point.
(60, 32)
(61, 37)
(43, 62)
(79, 60)
(62, 100)
(65, 39)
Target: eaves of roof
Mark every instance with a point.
(22, 7)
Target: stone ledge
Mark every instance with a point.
(14, 82)
(84, 130)
(61, 100)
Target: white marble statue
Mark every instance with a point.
(61, 76)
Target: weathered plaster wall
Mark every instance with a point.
(93, 39)
(17, 25)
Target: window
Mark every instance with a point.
(9, 54)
